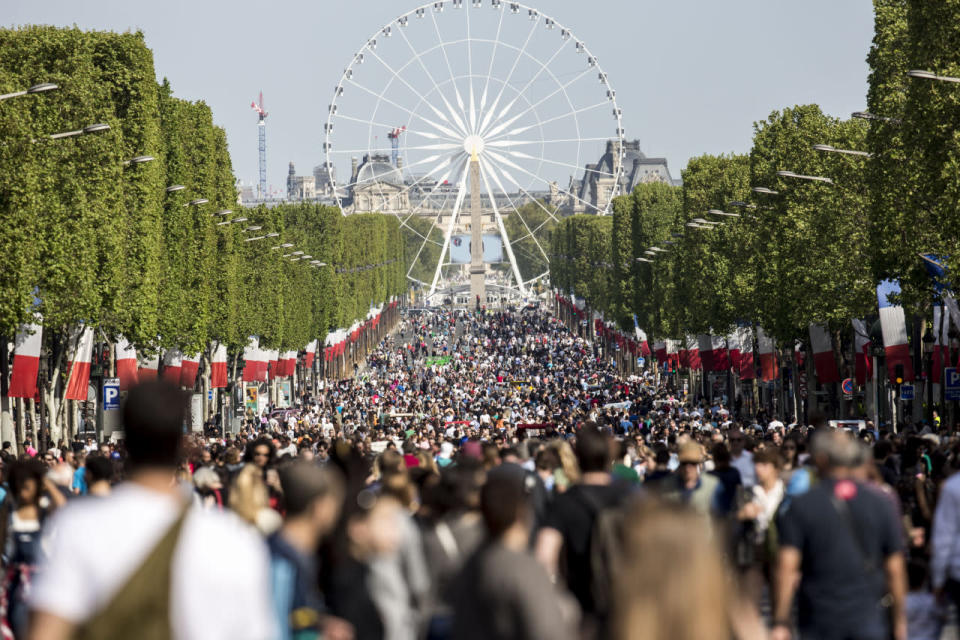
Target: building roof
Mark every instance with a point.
(377, 168)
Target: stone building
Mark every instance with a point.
(300, 187)
(377, 186)
(594, 191)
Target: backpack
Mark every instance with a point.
(607, 536)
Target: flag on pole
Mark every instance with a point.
(311, 352)
(218, 367)
(693, 353)
(148, 367)
(80, 367)
(721, 357)
(705, 349)
(823, 360)
(768, 356)
(273, 356)
(894, 326)
(748, 370)
(863, 364)
(733, 349)
(26, 360)
(253, 362)
(660, 351)
(188, 371)
(126, 356)
(172, 363)
(288, 364)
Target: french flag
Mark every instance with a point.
(80, 369)
(126, 356)
(748, 370)
(705, 348)
(253, 362)
(188, 371)
(768, 356)
(733, 349)
(693, 353)
(273, 355)
(311, 352)
(288, 364)
(641, 338)
(148, 368)
(721, 358)
(894, 326)
(673, 353)
(218, 367)
(660, 351)
(26, 360)
(863, 364)
(823, 360)
(172, 363)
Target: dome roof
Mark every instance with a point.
(378, 169)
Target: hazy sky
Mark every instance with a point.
(691, 76)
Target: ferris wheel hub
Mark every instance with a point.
(473, 145)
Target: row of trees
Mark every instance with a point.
(799, 251)
(150, 249)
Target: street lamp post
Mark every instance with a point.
(37, 88)
(798, 176)
(928, 347)
(930, 75)
(850, 152)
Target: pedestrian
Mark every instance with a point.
(173, 571)
(502, 592)
(842, 544)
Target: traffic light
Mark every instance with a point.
(898, 373)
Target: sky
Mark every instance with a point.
(691, 76)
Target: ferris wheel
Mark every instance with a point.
(452, 81)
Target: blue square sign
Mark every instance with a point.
(111, 394)
(906, 392)
(951, 383)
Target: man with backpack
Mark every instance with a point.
(579, 531)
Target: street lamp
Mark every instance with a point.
(769, 192)
(287, 245)
(222, 212)
(239, 219)
(196, 202)
(92, 128)
(644, 260)
(930, 75)
(297, 253)
(273, 235)
(791, 174)
(864, 115)
(850, 152)
(718, 212)
(37, 88)
(175, 187)
(928, 349)
(252, 239)
(255, 227)
(220, 224)
(138, 160)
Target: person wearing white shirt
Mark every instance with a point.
(219, 578)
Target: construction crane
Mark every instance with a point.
(262, 133)
(395, 143)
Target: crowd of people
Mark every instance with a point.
(483, 475)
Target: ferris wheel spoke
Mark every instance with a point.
(436, 125)
(456, 90)
(436, 87)
(496, 101)
(503, 231)
(500, 144)
(516, 210)
(499, 128)
(570, 114)
(493, 56)
(455, 214)
(436, 219)
(407, 131)
(526, 156)
(513, 165)
(416, 92)
(440, 180)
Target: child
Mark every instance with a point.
(925, 617)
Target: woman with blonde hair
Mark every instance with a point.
(250, 499)
(569, 472)
(673, 583)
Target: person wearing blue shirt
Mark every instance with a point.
(79, 484)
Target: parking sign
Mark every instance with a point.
(111, 394)
(906, 392)
(951, 388)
